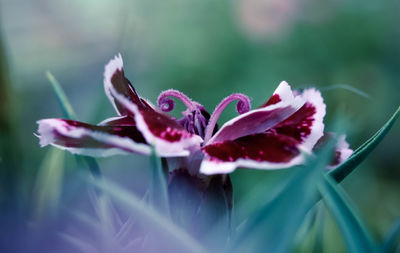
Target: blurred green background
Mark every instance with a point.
(207, 49)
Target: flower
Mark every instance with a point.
(276, 135)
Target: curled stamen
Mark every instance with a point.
(242, 106)
(167, 104)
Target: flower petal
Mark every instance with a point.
(167, 136)
(92, 140)
(114, 78)
(306, 125)
(261, 119)
(258, 151)
(342, 149)
(342, 153)
(281, 94)
(118, 121)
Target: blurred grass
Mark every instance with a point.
(48, 184)
(363, 151)
(354, 232)
(166, 232)
(65, 105)
(10, 160)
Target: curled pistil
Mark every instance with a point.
(166, 104)
(243, 105)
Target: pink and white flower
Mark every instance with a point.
(276, 135)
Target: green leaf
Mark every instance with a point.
(343, 170)
(353, 230)
(389, 242)
(159, 188)
(69, 113)
(319, 236)
(347, 87)
(48, 182)
(158, 224)
(274, 226)
(62, 98)
(93, 166)
(250, 202)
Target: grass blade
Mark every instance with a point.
(161, 226)
(69, 113)
(347, 87)
(62, 98)
(319, 233)
(278, 233)
(158, 188)
(343, 170)
(354, 232)
(389, 242)
(265, 230)
(49, 182)
(93, 166)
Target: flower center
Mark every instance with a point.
(195, 118)
(242, 106)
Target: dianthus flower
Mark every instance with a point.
(277, 134)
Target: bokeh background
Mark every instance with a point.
(350, 50)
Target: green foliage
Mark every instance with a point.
(49, 182)
(389, 242)
(274, 226)
(319, 223)
(65, 105)
(357, 237)
(11, 170)
(347, 87)
(69, 113)
(159, 188)
(364, 150)
(161, 227)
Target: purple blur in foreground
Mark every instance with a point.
(276, 135)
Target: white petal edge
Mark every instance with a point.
(284, 91)
(163, 148)
(314, 97)
(106, 121)
(111, 67)
(344, 148)
(209, 167)
(46, 136)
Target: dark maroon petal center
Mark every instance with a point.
(122, 131)
(274, 99)
(259, 147)
(124, 87)
(163, 126)
(299, 124)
